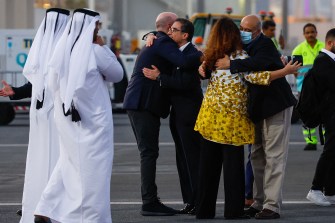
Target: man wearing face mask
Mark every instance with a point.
(270, 108)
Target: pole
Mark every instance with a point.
(91, 4)
(189, 8)
(285, 21)
(200, 6)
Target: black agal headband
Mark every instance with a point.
(58, 10)
(85, 12)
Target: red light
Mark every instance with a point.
(229, 10)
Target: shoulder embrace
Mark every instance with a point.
(164, 41)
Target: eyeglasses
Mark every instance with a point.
(174, 30)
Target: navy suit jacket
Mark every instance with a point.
(184, 82)
(145, 94)
(264, 101)
(184, 89)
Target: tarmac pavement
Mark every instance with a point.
(125, 186)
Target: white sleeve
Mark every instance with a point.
(107, 64)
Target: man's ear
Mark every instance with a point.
(185, 35)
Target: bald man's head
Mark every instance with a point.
(165, 20)
(251, 23)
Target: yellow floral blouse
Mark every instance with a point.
(223, 114)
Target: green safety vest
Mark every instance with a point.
(307, 52)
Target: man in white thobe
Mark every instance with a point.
(43, 147)
(79, 188)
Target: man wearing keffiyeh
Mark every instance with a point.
(79, 188)
(43, 147)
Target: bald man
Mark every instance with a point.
(270, 108)
(146, 102)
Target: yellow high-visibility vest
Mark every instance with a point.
(307, 52)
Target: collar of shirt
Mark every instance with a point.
(318, 45)
(331, 54)
(183, 46)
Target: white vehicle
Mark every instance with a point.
(14, 48)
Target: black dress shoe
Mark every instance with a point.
(19, 212)
(251, 211)
(186, 209)
(243, 216)
(192, 211)
(39, 219)
(157, 208)
(310, 147)
(267, 214)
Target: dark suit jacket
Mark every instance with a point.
(182, 80)
(184, 89)
(145, 94)
(264, 101)
(324, 71)
(22, 92)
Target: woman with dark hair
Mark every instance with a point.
(223, 121)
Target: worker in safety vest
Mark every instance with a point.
(309, 50)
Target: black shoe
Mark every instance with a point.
(267, 214)
(310, 147)
(243, 216)
(19, 212)
(251, 211)
(39, 219)
(157, 208)
(186, 209)
(192, 211)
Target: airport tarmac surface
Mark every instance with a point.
(125, 186)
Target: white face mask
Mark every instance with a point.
(246, 37)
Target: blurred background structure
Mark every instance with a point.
(131, 18)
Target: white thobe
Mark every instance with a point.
(79, 188)
(42, 155)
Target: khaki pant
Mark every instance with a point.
(268, 159)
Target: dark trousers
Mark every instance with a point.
(213, 157)
(324, 177)
(249, 177)
(188, 143)
(146, 129)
